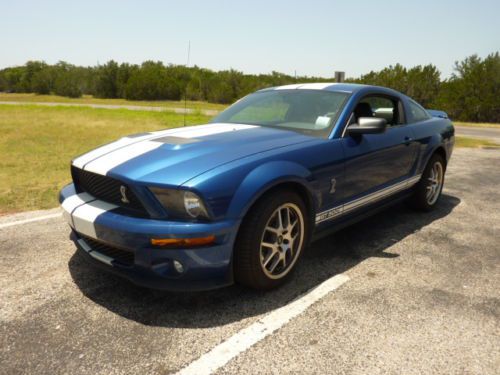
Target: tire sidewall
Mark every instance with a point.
(420, 193)
(261, 213)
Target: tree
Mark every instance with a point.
(68, 82)
(107, 80)
(473, 91)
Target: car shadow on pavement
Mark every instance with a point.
(325, 258)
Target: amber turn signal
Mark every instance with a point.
(182, 242)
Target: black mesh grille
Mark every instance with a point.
(106, 189)
(123, 256)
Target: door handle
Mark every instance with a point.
(408, 140)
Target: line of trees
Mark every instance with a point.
(472, 93)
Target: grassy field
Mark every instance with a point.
(474, 142)
(87, 99)
(37, 144)
(477, 124)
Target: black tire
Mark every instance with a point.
(248, 257)
(420, 199)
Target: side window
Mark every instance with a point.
(416, 112)
(379, 106)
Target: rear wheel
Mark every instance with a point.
(429, 188)
(271, 240)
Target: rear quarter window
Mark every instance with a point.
(416, 113)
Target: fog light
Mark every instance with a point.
(178, 266)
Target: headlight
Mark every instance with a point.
(181, 204)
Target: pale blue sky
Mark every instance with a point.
(313, 37)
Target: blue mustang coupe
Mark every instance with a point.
(239, 199)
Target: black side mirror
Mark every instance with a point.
(368, 125)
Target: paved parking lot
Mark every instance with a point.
(422, 297)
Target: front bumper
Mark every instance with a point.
(205, 268)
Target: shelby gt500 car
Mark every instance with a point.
(238, 199)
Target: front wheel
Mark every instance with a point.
(271, 240)
(429, 188)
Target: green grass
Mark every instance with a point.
(473, 142)
(88, 99)
(37, 144)
(477, 124)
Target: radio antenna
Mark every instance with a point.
(185, 87)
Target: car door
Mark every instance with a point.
(376, 161)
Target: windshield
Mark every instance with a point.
(311, 112)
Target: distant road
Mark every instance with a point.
(484, 133)
(207, 112)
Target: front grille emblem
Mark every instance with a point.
(123, 192)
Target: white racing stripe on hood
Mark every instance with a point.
(102, 163)
(107, 162)
(89, 156)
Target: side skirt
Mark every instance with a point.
(341, 224)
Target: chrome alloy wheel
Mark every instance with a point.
(435, 183)
(281, 241)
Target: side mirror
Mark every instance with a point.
(368, 125)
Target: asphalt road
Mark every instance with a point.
(423, 297)
(492, 134)
(208, 112)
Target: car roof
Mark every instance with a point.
(332, 86)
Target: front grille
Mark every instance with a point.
(123, 256)
(106, 189)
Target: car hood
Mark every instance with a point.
(175, 156)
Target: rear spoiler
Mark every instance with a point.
(436, 113)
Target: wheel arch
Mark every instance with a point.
(269, 178)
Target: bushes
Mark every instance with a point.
(471, 94)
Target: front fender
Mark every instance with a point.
(263, 178)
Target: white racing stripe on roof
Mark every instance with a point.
(316, 86)
(84, 216)
(306, 86)
(288, 87)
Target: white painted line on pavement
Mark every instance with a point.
(39, 218)
(247, 337)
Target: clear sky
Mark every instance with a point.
(312, 37)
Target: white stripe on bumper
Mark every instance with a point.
(71, 203)
(81, 211)
(85, 216)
